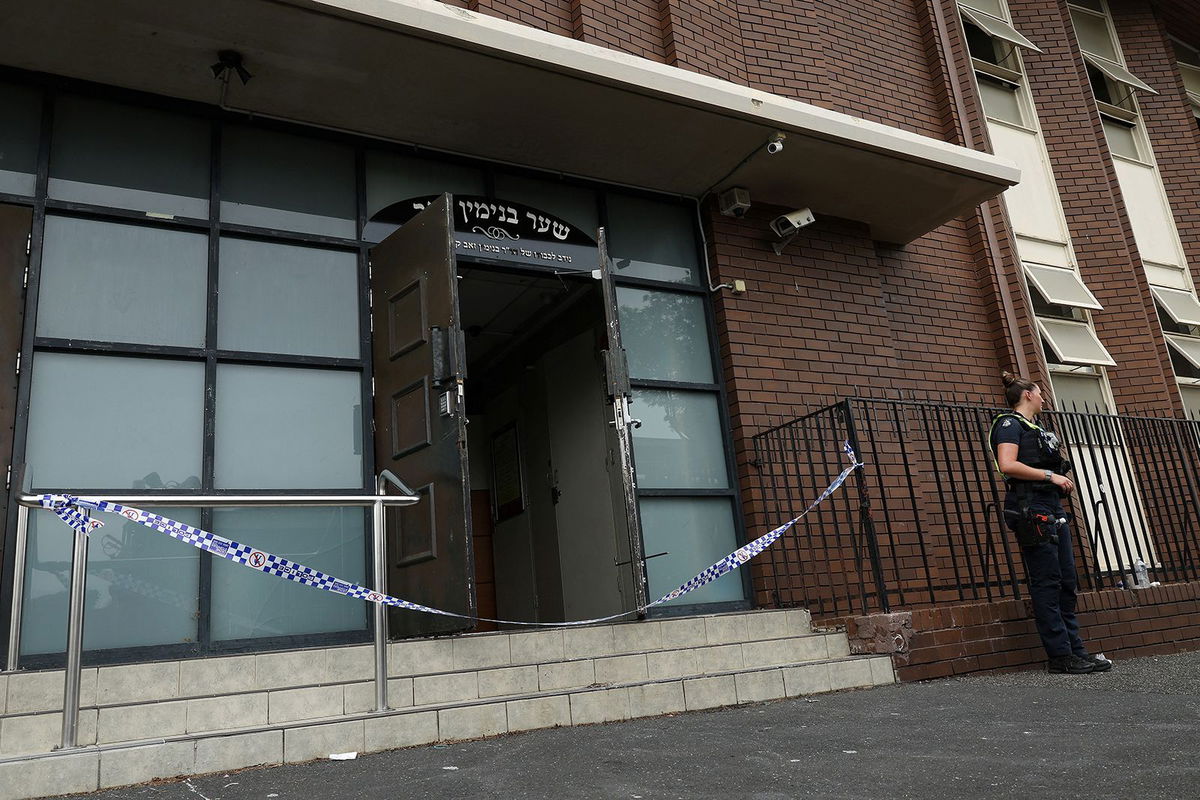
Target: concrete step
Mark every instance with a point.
(105, 766)
(141, 719)
(107, 723)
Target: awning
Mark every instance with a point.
(1116, 72)
(996, 28)
(439, 76)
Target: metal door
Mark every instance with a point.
(622, 477)
(420, 419)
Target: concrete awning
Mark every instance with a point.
(422, 72)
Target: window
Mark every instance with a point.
(19, 138)
(1074, 343)
(1000, 99)
(993, 45)
(1182, 306)
(1061, 287)
(996, 28)
(1189, 348)
(1044, 308)
(1081, 391)
(1122, 138)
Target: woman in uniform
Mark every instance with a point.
(1031, 461)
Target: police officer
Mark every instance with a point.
(1030, 459)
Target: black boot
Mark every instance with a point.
(1099, 663)
(1070, 664)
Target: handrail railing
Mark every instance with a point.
(377, 502)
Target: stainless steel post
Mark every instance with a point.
(379, 549)
(18, 598)
(70, 725)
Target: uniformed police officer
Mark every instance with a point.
(1030, 459)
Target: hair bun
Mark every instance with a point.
(1008, 378)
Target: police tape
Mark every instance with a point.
(76, 512)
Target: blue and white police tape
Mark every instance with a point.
(76, 512)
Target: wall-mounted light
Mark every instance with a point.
(230, 60)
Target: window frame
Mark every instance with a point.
(1046, 326)
(1031, 271)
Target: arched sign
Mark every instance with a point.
(499, 230)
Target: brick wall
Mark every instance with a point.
(979, 637)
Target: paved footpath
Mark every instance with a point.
(1132, 732)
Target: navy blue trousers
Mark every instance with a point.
(1050, 568)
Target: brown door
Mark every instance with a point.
(622, 476)
(420, 419)
(15, 225)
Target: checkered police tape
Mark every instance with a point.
(76, 512)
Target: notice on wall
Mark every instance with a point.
(507, 484)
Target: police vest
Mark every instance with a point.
(1038, 448)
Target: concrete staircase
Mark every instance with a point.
(165, 719)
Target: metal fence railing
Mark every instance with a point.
(922, 523)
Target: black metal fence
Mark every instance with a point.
(922, 523)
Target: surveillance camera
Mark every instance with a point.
(735, 201)
(792, 221)
(776, 144)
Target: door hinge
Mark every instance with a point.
(372, 386)
(8, 478)
(18, 362)
(28, 243)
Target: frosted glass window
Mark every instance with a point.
(679, 444)
(1191, 400)
(695, 532)
(1083, 393)
(1122, 139)
(993, 7)
(122, 283)
(665, 335)
(250, 604)
(652, 239)
(130, 157)
(19, 138)
(1061, 286)
(97, 422)
(1000, 102)
(1092, 32)
(1186, 346)
(277, 180)
(278, 298)
(573, 204)
(1074, 343)
(135, 575)
(392, 177)
(1182, 306)
(284, 428)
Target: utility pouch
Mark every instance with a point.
(1034, 527)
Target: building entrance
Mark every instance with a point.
(501, 396)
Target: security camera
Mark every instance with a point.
(735, 201)
(776, 144)
(787, 224)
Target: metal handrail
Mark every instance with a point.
(377, 502)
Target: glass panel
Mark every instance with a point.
(134, 574)
(1000, 102)
(129, 157)
(998, 29)
(1074, 342)
(392, 177)
(1092, 32)
(247, 603)
(277, 180)
(122, 283)
(1191, 78)
(1094, 5)
(1186, 346)
(1061, 286)
(1191, 400)
(282, 428)
(278, 298)
(1122, 140)
(665, 334)
(694, 532)
(679, 444)
(1182, 306)
(652, 239)
(97, 422)
(1082, 393)
(1115, 72)
(574, 204)
(19, 138)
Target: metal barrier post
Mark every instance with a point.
(70, 723)
(379, 549)
(18, 598)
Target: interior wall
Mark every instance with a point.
(587, 530)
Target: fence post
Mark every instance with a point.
(864, 510)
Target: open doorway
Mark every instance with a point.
(549, 545)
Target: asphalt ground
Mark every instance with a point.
(1131, 732)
